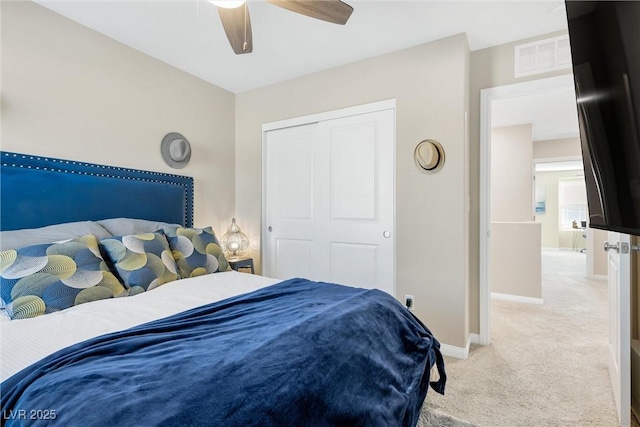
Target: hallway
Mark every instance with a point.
(546, 365)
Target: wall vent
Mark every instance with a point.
(542, 56)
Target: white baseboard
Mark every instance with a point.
(474, 338)
(598, 277)
(460, 352)
(516, 298)
(453, 351)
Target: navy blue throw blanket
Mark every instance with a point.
(297, 353)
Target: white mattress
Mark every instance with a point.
(26, 341)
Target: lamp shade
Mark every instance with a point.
(234, 242)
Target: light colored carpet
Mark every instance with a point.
(434, 418)
(546, 365)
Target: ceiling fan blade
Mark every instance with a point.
(237, 25)
(334, 11)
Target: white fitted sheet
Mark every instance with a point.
(26, 341)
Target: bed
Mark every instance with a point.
(177, 338)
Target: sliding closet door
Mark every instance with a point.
(292, 248)
(330, 201)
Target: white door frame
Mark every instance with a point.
(487, 96)
(619, 357)
(388, 104)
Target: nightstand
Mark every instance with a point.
(241, 262)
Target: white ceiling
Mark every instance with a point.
(188, 35)
(552, 114)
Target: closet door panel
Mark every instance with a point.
(354, 264)
(291, 247)
(292, 167)
(353, 172)
(294, 258)
(360, 229)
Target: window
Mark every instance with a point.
(570, 213)
(573, 202)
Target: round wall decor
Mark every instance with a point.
(429, 156)
(176, 150)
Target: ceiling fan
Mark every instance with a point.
(237, 24)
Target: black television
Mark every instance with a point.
(605, 49)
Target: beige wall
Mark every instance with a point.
(511, 174)
(515, 238)
(71, 92)
(516, 259)
(557, 149)
(429, 83)
(490, 67)
(600, 257)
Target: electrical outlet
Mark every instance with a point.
(409, 302)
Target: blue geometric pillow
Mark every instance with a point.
(41, 279)
(143, 261)
(196, 250)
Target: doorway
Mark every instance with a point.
(491, 100)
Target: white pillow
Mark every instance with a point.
(127, 226)
(15, 239)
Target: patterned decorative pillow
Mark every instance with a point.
(49, 277)
(196, 250)
(143, 261)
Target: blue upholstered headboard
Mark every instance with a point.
(37, 191)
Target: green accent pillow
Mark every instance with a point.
(143, 261)
(196, 250)
(49, 277)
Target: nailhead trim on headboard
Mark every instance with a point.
(26, 161)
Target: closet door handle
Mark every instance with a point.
(386, 234)
(270, 228)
